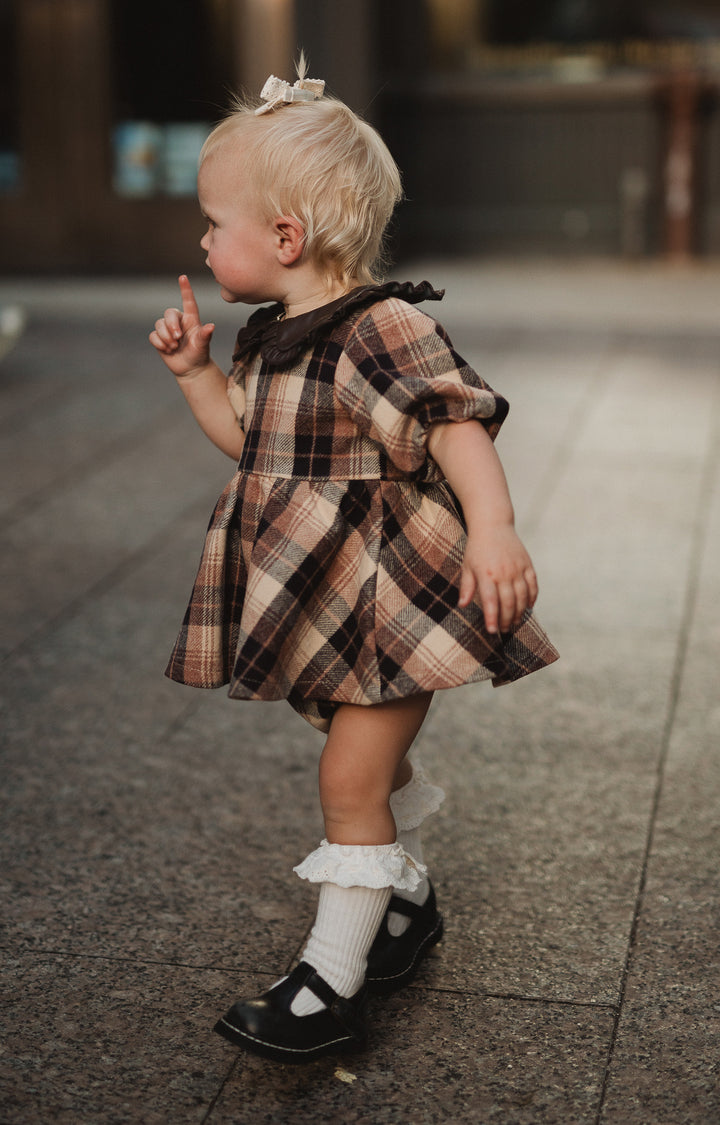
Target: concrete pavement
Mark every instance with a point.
(149, 831)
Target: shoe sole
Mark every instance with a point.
(284, 1054)
(382, 986)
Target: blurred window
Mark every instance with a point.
(172, 67)
(9, 99)
(514, 36)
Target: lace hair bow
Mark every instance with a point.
(276, 92)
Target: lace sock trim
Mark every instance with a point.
(417, 800)
(359, 865)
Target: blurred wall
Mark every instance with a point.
(509, 143)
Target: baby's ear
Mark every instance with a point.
(290, 239)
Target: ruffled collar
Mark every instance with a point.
(283, 341)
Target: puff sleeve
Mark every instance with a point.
(399, 374)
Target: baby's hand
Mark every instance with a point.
(498, 572)
(181, 338)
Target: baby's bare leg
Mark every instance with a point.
(362, 762)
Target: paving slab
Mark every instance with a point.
(578, 296)
(78, 538)
(665, 1066)
(130, 774)
(92, 1040)
(113, 1041)
(523, 847)
(439, 1057)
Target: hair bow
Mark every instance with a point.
(277, 92)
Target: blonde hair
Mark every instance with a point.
(327, 168)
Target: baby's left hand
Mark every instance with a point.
(498, 573)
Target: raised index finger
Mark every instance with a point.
(189, 303)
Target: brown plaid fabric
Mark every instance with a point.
(331, 565)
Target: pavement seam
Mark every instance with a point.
(417, 986)
(221, 1088)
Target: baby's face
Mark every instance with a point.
(240, 243)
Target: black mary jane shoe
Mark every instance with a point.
(268, 1027)
(394, 961)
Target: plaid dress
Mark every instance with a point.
(331, 566)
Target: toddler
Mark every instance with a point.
(364, 554)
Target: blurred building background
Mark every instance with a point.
(521, 126)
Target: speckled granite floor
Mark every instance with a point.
(148, 831)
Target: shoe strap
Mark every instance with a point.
(346, 1014)
(408, 909)
(318, 986)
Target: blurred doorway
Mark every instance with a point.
(105, 104)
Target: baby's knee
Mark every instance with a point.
(346, 795)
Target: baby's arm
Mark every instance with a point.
(497, 570)
(183, 342)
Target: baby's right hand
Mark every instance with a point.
(180, 337)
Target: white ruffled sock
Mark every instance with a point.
(411, 805)
(345, 926)
(356, 884)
